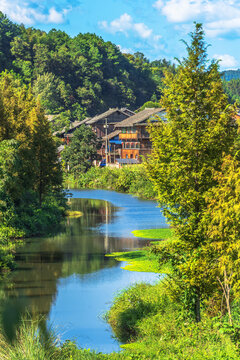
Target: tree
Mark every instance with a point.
(45, 88)
(46, 167)
(82, 150)
(186, 150)
(11, 184)
(222, 223)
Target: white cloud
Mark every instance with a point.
(179, 10)
(55, 16)
(28, 13)
(142, 30)
(226, 60)
(220, 16)
(125, 50)
(125, 24)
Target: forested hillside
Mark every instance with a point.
(232, 89)
(231, 74)
(78, 76)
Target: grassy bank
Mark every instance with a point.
(145, 318)
(153, 326)
(26, 220)
(129, 179)
(145, 259)
(157, 234)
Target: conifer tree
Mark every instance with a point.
(45, 165)
(187, 148)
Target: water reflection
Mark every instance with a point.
(67, 276)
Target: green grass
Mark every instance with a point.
(139, 260)
(158, 234)
(143, 259)
(153, 326)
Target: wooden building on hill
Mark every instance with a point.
(134, 136)
(114, 147)
(97, 123)
(111, 118)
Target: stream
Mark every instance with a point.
(68, 278)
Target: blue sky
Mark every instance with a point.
(153, 27)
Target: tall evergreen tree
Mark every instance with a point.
(186, 149)
(46, 167)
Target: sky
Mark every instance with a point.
(153, 27)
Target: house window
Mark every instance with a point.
(124, 130)
(132, 145)
(127, 146)
(137, 145)
(131, 156)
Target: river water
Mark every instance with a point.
(68, 279)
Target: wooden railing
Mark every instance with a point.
(128, 136)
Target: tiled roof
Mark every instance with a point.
(102, 116)
(109, 112)
(112, 135)
(51, 117)
(139, 117)
(74, 125)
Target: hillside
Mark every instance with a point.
(231, 74)
(78, 76)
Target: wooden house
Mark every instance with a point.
(134, 136)
(109, 118)
(114, 147)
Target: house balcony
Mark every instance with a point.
(128, 136)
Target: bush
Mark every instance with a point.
(155, 327)
(129, 179)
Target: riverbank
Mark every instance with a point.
(149, 322)
(128, 179)
(28, 220)
(153, 323)
(149, 319)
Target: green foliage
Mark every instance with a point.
(222, 226)
(186, 151)
(140, 260)
(49, 90)
(11, 184)
(230, 74)
(30, 174)
(47, 170)
(8, 31)
(83, 70)
(155, 327)
(34, 220)
(143, 315)
(8, 247)
(232, 89)
(130, 179)
(149, 104)
(81, 151)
